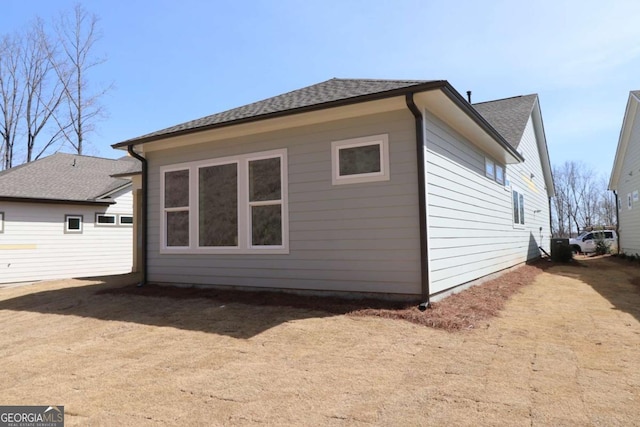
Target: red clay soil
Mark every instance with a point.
(464, 310)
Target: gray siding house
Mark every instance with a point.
(368, 186)
(625, 178)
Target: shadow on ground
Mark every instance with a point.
(615, 279)
(237, 314)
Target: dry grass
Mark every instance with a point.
(463, 310)
(563, 351)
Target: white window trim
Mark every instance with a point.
(491, 175)
(66, 224)
(1, 222)
(496, 166)
(244, 211)
(106, 224)
(522, 222)
(381, 140)
(125, 224)
(163, 210)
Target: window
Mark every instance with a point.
(125, 219)
(495, 171)
(1, 222)
(360, 160)
(518, 207)
(105, 219)
(499, 174)
(230, 205)
(489, 168)
(608, 235)
(73, 224)
(176, 208)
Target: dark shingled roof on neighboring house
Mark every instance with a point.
(508, 116)
(67, 177)
(320, 95)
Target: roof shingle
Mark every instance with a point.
(67, 177)
(508, 116)
(329, 91)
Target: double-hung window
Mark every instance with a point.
(176, 208)
(229, 205)
(518, 207)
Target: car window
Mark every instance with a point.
(588, 237)
(608, 235)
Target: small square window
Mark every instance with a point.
(125, 219)
(73, 224)
(489, 168)
(105, 219)
(360, 160)
(1, 222)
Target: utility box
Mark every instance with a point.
(560, 250)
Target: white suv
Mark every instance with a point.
(586, 242)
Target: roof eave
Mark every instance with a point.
(55, 201)
(464, 105)
(431, 85)
(623, 140)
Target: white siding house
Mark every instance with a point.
(65, 216)
(625, 178)
(319, 189)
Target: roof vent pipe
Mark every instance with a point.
(469, 96)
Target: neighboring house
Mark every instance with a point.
(368, 186)
(66, 216)
(625, 178)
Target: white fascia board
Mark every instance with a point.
(440, 105)
(623, 141)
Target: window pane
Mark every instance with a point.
(521, 209)
(73, 223)
(176, 189)
(126, 219)
(488, 167)
(178, 228)
(218, 205)
(499, 174)
(516, 210)
(264, 179)
(266, 225)
(106, 219)
(357, 160)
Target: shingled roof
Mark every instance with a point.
(317, 96)
(508, 116)
(66, 177)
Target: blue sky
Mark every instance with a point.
(173, 61)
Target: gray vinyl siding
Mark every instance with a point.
(356, 237)
(470, 217)
(629, 182)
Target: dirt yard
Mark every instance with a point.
(565, 350)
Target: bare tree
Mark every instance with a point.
(581, 200)
(11, 95)
(44, 90)
(76, 35)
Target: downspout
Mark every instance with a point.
(143, 221)
(422, 202)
